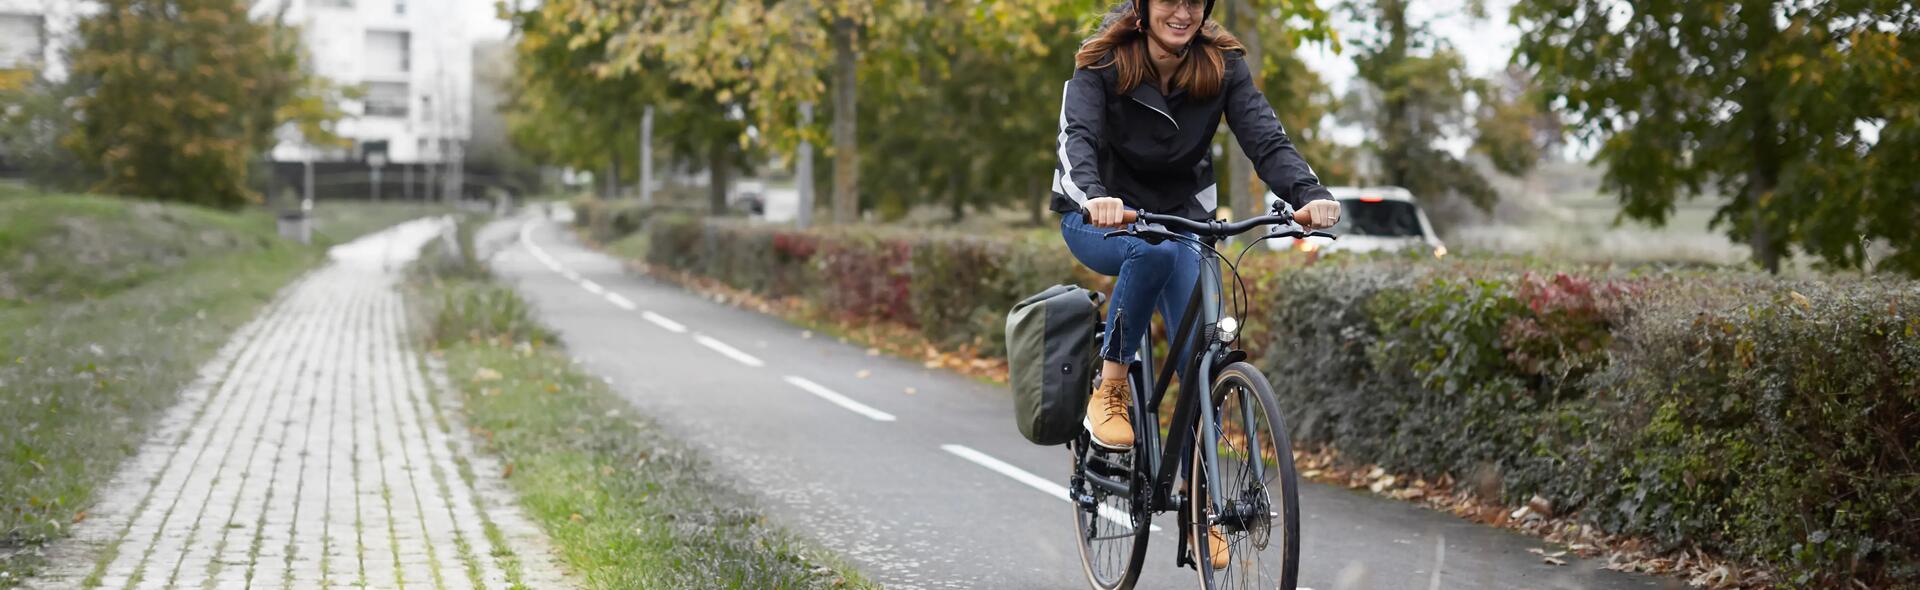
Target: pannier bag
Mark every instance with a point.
(1051, 359)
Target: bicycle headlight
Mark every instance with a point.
(1226, 328)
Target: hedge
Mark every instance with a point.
(1776, 421)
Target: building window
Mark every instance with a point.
(400, 7)
(21, 41)
(387, 99)
(388, 52)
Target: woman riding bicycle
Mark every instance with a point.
(1136, 127)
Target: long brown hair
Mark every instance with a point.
(1122, 44)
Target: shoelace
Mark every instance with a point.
(1116, 404)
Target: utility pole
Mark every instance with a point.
(646, 157)
(803, 170)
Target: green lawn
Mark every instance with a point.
(107, 308)
(626, 505)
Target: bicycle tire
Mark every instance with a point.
(1099, 564)
(1264, 514)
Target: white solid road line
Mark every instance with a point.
(662, 321)
(621, 301)
(729, 351)
(839, 400)
(1034, 481)
(593, 287)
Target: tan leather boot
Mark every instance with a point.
(1217, 545)
(1110, 415)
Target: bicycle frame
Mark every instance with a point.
(1165, 460)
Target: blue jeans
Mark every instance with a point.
(1151, 276)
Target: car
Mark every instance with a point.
(1373, 219)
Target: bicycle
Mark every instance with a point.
(1124, 490)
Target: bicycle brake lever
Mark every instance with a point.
(1321, 234)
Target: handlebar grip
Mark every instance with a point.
(1126, 215)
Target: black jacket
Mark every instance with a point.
(1153, 150)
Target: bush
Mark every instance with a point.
(1770, 420)
(1775, 421)
(955, 288)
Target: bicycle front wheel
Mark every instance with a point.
(1259, 511)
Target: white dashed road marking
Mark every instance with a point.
(1033, 481)
(729, 351)
(839, 400)
(622, 302)
(663, 322)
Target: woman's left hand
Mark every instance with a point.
(1319, 214)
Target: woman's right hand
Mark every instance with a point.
(1106, 212)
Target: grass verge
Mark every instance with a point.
(626, 505)
(123, 302)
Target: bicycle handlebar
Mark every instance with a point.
(1213, 228)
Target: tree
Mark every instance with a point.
(178, 95)
(1415, 94)
(1804, 114)
(581, 86)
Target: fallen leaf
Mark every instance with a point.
(504, 473)
(614, 413)
(577, 518)
(486, 374)
(806, 333)
(553, 388)
(79, 516)
(873, 352)
(1800, 300)
(1554, 560)
(911, 391)
(863, 374)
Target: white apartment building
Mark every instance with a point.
(33, 36)
(413, 61)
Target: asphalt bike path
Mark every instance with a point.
(918, 475)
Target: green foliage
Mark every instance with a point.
(1768, 420)
(33, 120)
(954, 288)
(70, 247)
(181, 94)
(933, 84)
(1802, 112)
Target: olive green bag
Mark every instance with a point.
(1051, 359)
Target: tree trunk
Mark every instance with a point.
(1242, 177)
(846, 150)
(1765, 174)
(719, 173)
(1035, 188)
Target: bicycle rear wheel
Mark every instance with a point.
(1112, 529)
(1260, 515)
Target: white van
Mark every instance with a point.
(1372, 219)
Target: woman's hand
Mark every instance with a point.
(1105, 212)
(1319, 214)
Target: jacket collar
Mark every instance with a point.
(1148, 95)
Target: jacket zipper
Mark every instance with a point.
(1176, 124)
